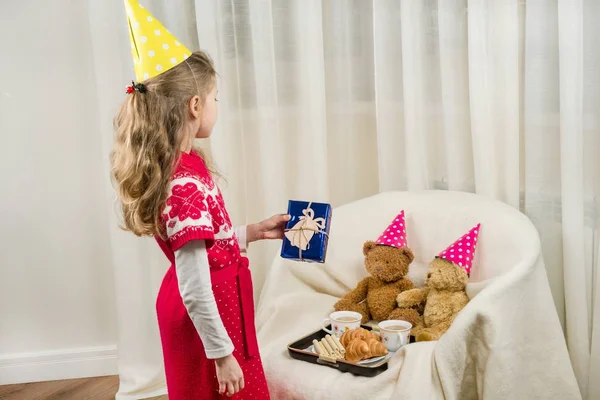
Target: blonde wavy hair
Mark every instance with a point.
(149, 133)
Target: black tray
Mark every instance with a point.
(296, 350)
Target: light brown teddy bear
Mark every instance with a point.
(387, 260)
(444, 293)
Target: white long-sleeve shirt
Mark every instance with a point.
(195, 287)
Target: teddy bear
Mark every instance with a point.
(387, 261)
(443, 295)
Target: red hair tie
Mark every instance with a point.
(139, 87)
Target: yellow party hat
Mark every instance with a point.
(154, 49)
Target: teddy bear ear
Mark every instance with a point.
(368, 246)
(408, 253)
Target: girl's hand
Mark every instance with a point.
(229, 375)
(271, 228)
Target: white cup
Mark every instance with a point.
(342, 321)
(395, 333)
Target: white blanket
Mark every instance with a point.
(506, 344)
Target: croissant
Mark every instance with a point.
(360, 349)
(358, 333)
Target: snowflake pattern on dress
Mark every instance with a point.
(195, 210)
(226, 221)
(217, 216)
(186, 201)
(208, 182)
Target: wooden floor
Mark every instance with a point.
(103, 388)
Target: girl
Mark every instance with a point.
(205, 304)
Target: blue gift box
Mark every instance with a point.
(307, 232)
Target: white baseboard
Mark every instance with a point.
(55, 365)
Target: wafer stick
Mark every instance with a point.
(332, 344)
(327, 346)
(330, 359)
(323, 353)
(339, 345)
(318, 348)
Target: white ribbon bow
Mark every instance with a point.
(302, 232)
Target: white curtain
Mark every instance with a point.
(334, 100)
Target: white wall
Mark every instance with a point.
(57, 313)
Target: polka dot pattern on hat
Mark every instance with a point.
(395, 234)
(462, 251)
(154, 49)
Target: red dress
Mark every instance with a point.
(195, 211)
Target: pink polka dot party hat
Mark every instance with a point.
(395, 234)
(462, 251)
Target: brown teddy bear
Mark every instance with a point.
(387, 262)
(444, 293)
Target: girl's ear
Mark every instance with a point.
(194, 107)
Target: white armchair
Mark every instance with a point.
(506, 344)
